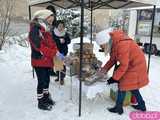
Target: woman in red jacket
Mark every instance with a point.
(131, 74)
(43, 50)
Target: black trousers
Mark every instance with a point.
(62, 74)
(43, 76)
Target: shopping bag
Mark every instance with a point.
(114, 93)
(58, 64)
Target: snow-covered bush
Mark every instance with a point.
(21, 40)
(72, 21)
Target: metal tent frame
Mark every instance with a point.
(92, 5)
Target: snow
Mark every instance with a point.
(18, 91)
(91, 92)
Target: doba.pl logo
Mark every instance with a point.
(145, 115)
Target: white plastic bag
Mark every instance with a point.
(114, 87)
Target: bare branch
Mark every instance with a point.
(5, 19)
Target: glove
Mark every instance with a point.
(60, 56)
(111, 81)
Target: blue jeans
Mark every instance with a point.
(122, 94)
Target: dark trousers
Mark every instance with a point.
(52, 73)
(122, 94)
(62, 73)
(43, 76)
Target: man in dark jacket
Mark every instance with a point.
(52, 9)
(62, 39)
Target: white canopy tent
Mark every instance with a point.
(92, 5)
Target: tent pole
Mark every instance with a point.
(29, 8)
(151, 37)
(81, 56)
(91, 23)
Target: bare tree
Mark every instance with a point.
(6, 10)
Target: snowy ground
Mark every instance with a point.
(18, 92)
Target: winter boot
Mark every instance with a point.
(57, 79)
(116, 109)
(141, 106)
(48, 99)
(62, 82)
(43, 105)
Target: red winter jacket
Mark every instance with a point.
(132, 72)
(43, 49)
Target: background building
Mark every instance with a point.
(140, 25)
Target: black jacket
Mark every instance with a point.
(63, 48)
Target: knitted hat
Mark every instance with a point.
(103, 37)
(42, 14)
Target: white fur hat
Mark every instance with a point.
(43, 14)
(103, 37)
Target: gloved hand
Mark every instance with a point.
(60, 56)
(111, 81)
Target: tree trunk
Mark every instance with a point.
(0, 47)
(1, 42)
